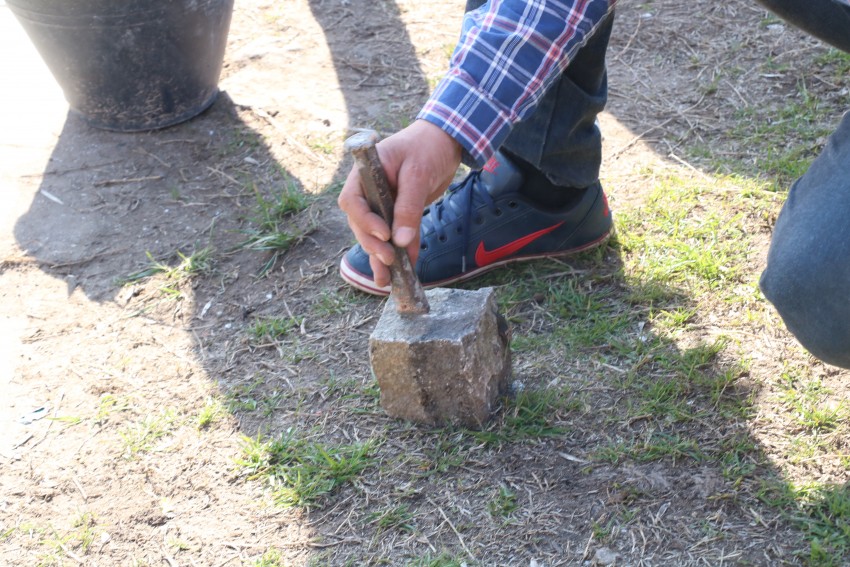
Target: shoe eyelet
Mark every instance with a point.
(423, 246)
(442, 238)
(459, 230)
(497, 212)
(512, 204)
(479, 220)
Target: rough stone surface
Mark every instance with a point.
(446, 367)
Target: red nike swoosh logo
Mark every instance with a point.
(484, 256)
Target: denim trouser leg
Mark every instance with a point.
(828, 20)
(561, 137)
(808, 266)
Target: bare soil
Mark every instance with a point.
(86, 208)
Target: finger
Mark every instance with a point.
(380, 273)
(373, 246)
(352, 202)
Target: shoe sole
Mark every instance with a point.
(363, 283)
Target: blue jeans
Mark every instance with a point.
(828, 20)
(808, 266)
(561, 137)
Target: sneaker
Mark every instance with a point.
(484, 222)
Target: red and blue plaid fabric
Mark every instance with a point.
(510, 52)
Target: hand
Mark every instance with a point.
(420, 161)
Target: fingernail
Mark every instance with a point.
(404, 236)
(383, 259)
(379, 236)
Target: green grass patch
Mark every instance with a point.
(367, 396)
(301, 472)
(244, 397)
(822, 512)
(253, 396)
(503, 504)
(398, 518)
(200, 262)
(270, 558)
(108, 405)
(212, 412)
(591, 317)
(70, 544)
(274, 228)
(779, 142)
(270, 329)
(143, 435)
(447, 451)
(837, 62)
(678, 238)
(810, 404)
(529, 415)
(329, 303)
(656, 447)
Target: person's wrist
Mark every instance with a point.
(451, 146)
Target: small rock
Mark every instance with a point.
(604, 556)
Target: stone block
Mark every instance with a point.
(447, 367)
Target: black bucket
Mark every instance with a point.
(131, 65)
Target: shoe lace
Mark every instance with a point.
(458, 203)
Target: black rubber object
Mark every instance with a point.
(131, 65)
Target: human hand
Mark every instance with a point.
(420, 161)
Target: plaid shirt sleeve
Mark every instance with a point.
(509, 53)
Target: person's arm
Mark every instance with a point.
(510, 52)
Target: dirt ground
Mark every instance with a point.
(104, 355)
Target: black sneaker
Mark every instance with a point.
(484, 222)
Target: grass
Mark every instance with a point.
(444, 559)
(273, 225)
(808, 401)
(271, 558)
(658, 446)
(503, 504)
(199, 262)
(398, 518)
(244, 397)
(836, 62)
(821, 511)
(529, 415)
(143, 435)
(108, 405)
(446, 452)
(678, 239)
(273, 328)
(70, 544)
(254, 396)
(778, 141)
(329, 303)
(213, 411)
(283, 334)
(304, 473)
(630, 320)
